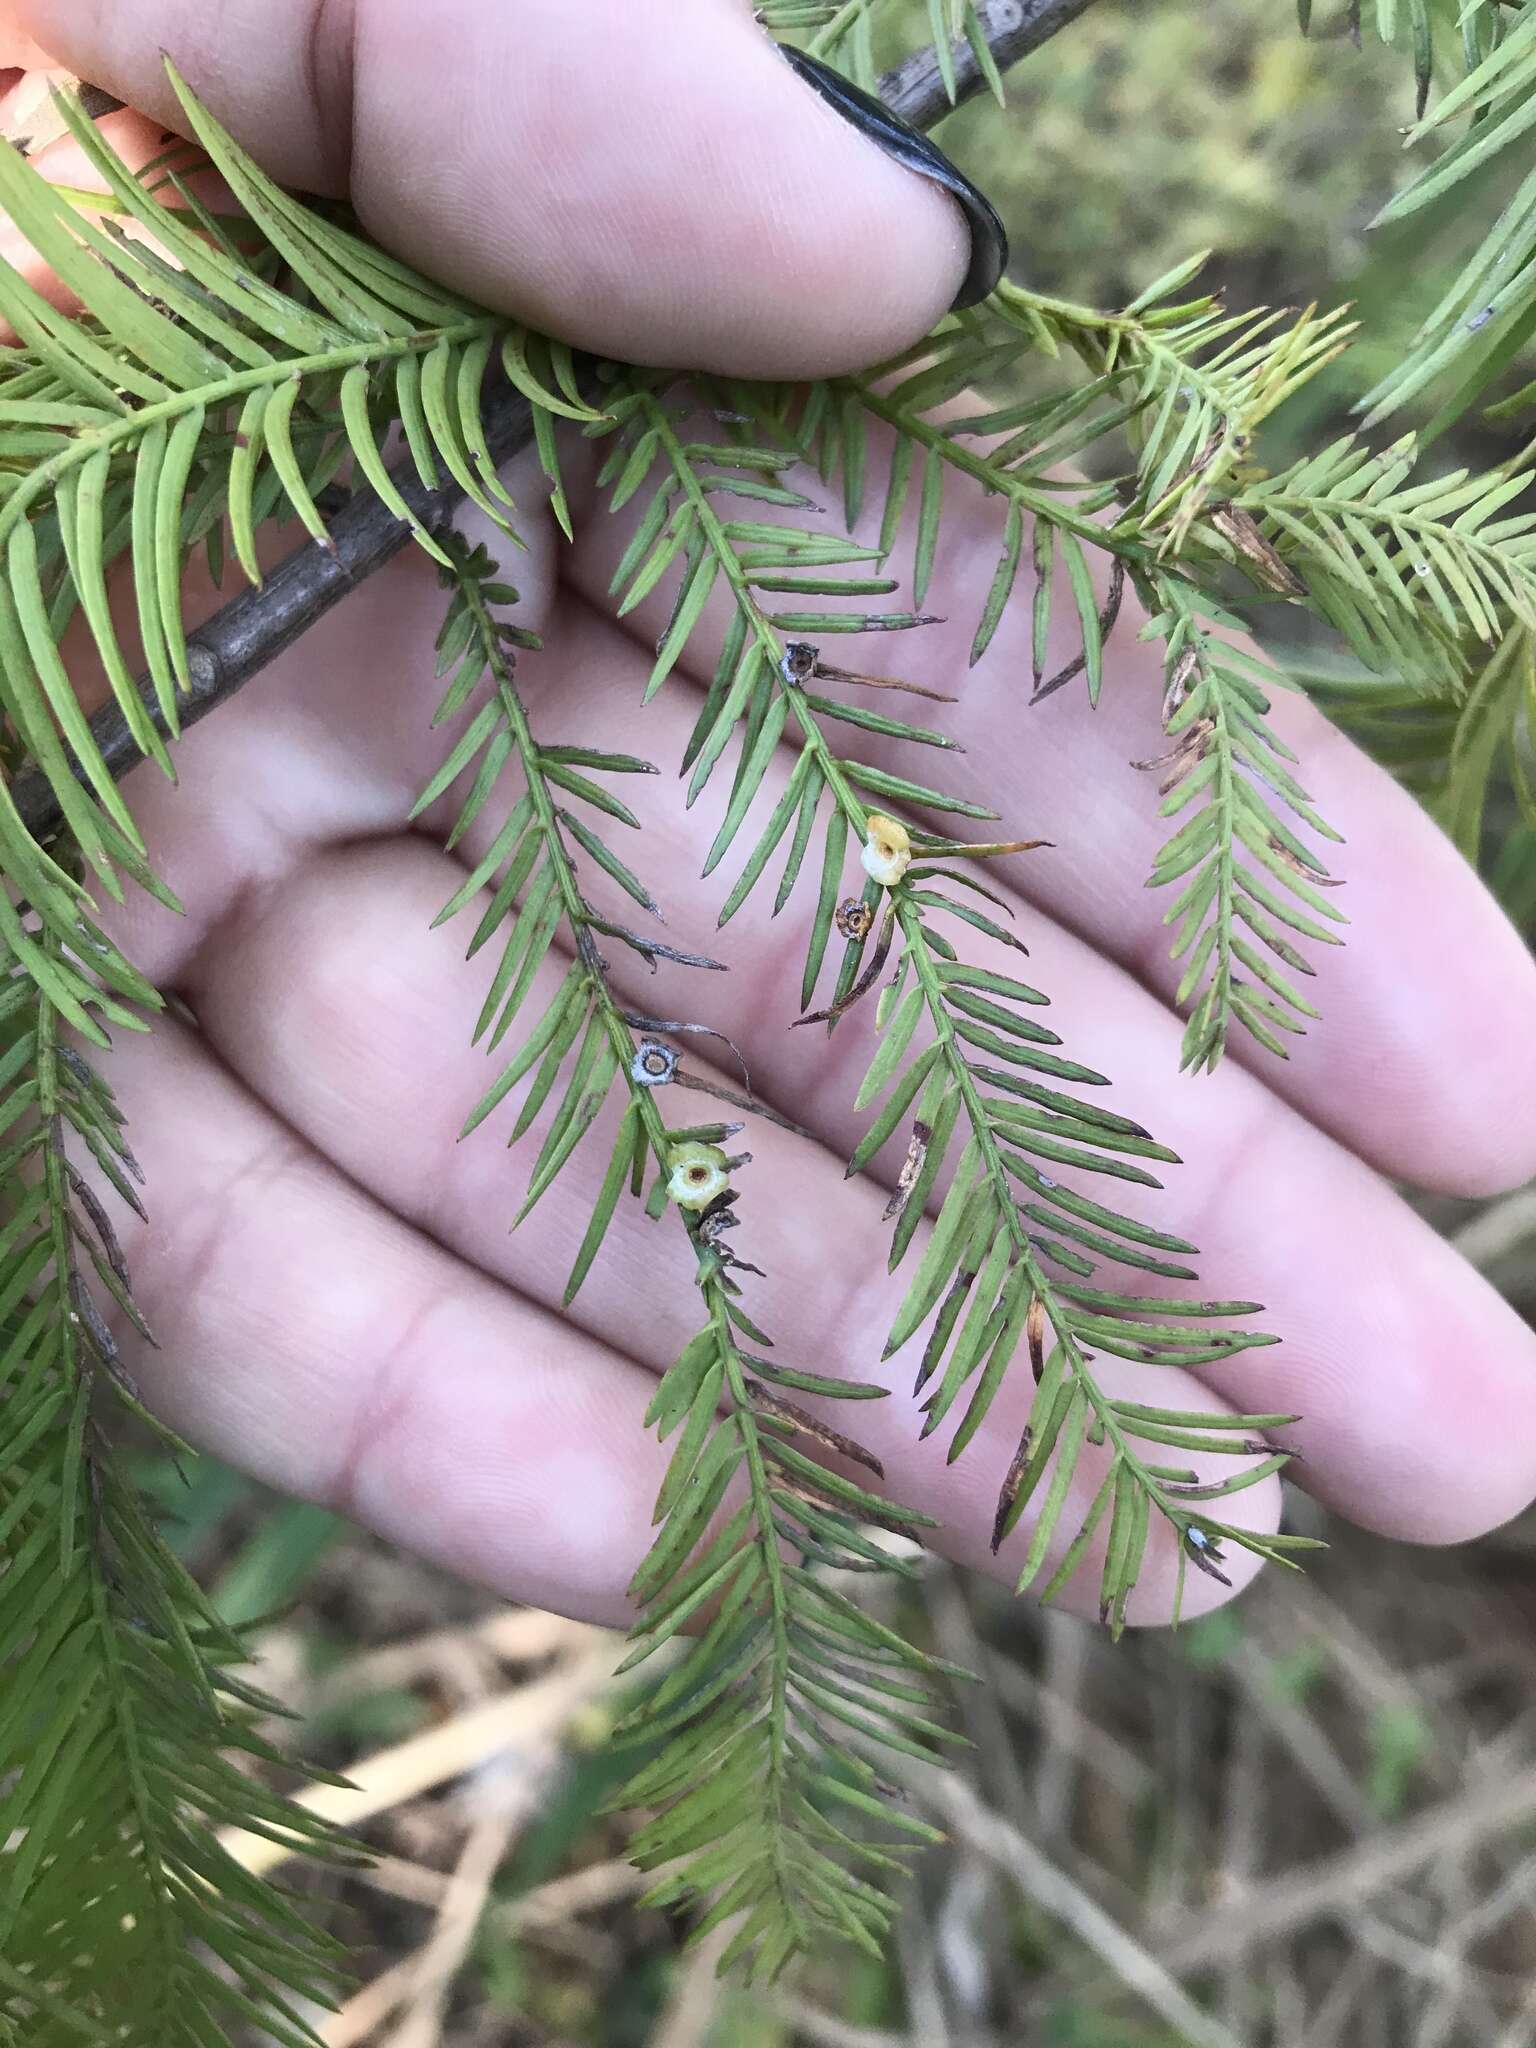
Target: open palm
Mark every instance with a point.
(338, 1301)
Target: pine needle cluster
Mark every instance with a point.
(229, 370)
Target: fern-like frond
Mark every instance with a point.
(1250, 886)
(123, 1729)
(194, 397)
(1486, 316)
(754, 1775)
(762, 1801)
(1188, 382)
(975, 1082)
(1008, 1266)
(1027, 469)
(1413, 574)
(1182, 385)
(1189, 393)
(536, 900)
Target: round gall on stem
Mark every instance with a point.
(698, 1175)
(853, 918)
(654, 1064)
(887, 851)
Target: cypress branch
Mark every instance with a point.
(205, 395)
(250, 632)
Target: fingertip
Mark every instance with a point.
(1424, 1061)
(661, 188)
(1441, 1060)
(703, 207)
(1414, 1380)
(1469, 1465)
(896, 260)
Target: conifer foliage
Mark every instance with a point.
(234, 368)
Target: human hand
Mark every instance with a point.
(339, 1305)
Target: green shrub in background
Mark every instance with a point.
(1156, 128)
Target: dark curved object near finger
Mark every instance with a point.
(911, 148)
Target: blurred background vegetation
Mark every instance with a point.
(1153, 128)
(1306, 1821)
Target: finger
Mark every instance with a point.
(647, 178)
(316, 1341)
(387, 1379)
(1430, 970)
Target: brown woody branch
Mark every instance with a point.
(253, 629)
(1012, 28)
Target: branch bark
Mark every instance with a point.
(253, 629)
(1012, 29)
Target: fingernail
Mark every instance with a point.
(912, 149)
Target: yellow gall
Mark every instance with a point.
(697, 1175)
(887, 851)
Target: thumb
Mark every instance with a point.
(645, 178)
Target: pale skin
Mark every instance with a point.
(339, 1305)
